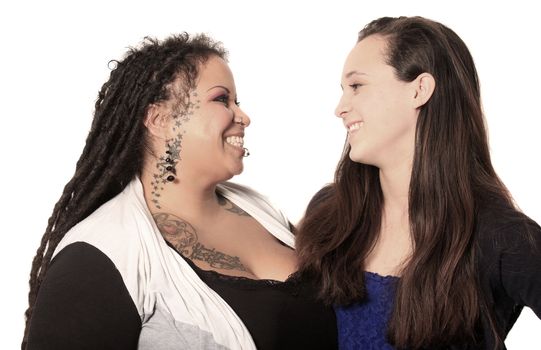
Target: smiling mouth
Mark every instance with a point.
(355, 126)
(236, 141)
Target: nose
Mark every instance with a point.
(343, 107)
(242, 117)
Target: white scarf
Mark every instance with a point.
(177, 309)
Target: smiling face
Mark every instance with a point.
(209, 129)
(214, 138)
(376, 107)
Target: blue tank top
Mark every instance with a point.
(363, 325)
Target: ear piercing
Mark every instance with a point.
(170, 167)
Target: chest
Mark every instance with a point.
(237, 245)
(389, 253)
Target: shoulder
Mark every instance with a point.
(509, 257)
(82, 262)
(80, 255)
(119, 230)
(508, 246)
(110, 228)
(83, 300)
(501, 229)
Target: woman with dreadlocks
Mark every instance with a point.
(149, 246)
(417, 241)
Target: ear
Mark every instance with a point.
(424, 86)
(156, 121)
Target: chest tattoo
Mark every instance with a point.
(183, 237)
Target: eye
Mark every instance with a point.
(223, 99)
(355, 86)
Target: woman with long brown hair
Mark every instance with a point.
(417, 241)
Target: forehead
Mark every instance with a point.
(215, 71)
(368, 54)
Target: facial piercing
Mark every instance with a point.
(246, 152)
(241, 121)
(170, 167)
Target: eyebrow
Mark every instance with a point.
(354, 72)
(220, 86)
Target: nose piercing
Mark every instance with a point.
(240, 121)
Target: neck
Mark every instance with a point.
(395, 182)
(185, 197)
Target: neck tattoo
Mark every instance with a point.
(167, 164)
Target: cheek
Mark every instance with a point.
(217, 123)
(220, 112)
(392, 108)
(211, 124)
(389, 121)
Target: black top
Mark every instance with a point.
(84, 304)
(279, 315)
(509, 265)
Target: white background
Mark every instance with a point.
(287, 59)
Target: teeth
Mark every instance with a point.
(355, 126)
(235, 141)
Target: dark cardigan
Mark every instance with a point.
(509, 265)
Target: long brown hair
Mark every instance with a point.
(438, 300)
(116, 144)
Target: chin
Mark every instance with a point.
(233, 170)
(357, 157)
(360, 157)
(238, 170)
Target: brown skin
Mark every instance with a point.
(204, 227)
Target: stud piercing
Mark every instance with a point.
(241, 121)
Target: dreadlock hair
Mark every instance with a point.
(117, 141)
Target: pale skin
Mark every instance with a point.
(198, 222)
(380, 112)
